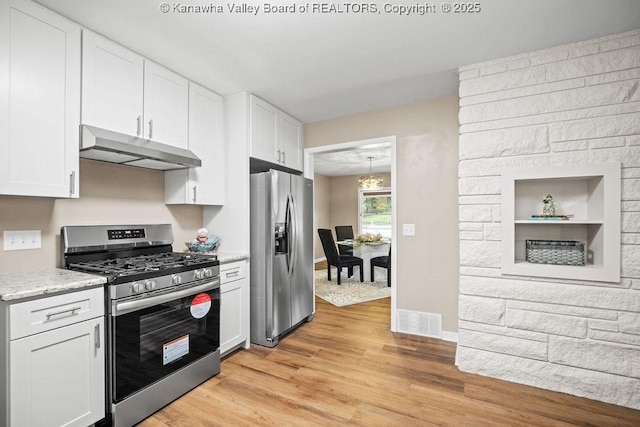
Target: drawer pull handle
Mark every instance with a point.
(233, 273)
(97, 336)
(71, 310)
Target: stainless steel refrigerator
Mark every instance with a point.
(281, 254)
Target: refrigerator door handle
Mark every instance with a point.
(293, 233)
(288, 230)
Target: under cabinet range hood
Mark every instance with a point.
(108, 146)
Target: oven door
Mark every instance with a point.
(157, 335)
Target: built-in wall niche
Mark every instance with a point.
(588, 194)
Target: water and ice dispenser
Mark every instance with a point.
(281, 238)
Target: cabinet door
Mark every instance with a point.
(112, 85)
(264, 124)
(234, 306)
(232, 319)
(290, 141)
(40, 102)
(204, 185)
(57, 377)
(166, 106)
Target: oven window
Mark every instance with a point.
(156, 341)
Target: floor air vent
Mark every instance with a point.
(417, 323)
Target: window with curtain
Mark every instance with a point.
(375, 212)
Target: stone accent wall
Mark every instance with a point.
(576, 103)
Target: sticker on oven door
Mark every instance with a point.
(200, 305)
(175, 349)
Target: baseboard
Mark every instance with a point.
(457, 353)
(317, 260)
(450, 336)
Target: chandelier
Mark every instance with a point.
(370, 182)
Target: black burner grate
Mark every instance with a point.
(120, 267)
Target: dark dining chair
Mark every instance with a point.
(344, 232)
(384, 262)
(334, 258)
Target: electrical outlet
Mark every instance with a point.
(408, 229)
(22, 239)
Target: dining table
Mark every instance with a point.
(366, 251)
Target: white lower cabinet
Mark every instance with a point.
(56, 360)
(234, 307)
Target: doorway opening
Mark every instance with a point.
(364, 148)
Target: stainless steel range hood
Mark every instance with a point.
(114, 147)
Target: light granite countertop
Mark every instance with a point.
(26, 284)
(227, 257)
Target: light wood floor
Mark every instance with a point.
(346, 367)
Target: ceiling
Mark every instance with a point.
(318, 66)
(353, 161)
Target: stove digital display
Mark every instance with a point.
(134, 233)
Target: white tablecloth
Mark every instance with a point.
(366, 251)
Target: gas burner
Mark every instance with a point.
(153, 264)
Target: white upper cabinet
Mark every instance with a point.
(290, 141)
(39, 101)
(123, 92)
(112, 85)
(264, 125)
(166, 106)
(275, 136)
(204, 185)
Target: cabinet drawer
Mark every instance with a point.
(232, 271)
(44, 314)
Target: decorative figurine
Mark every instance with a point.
(203, 242)
(202, 236)
(548, 209)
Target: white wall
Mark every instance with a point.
(321, 210)
(426, 173)
(572, 104)
(231, 221)
(109, 194)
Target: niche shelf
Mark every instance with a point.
(590, 193)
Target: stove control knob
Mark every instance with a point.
(208, 272)
(137, 287)
(150, 285)
(198, 274)
(176, 279)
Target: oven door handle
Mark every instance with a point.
(129, 306)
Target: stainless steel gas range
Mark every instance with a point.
(163, 314)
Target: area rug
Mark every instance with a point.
(351, 291)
